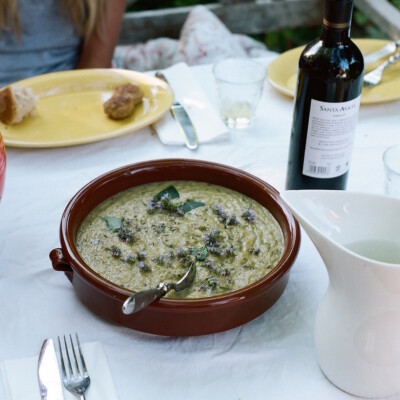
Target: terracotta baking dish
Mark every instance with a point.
(167, 316)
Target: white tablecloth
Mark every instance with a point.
(271, 357)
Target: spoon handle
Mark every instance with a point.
(142, 299)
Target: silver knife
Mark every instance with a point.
(182, 118)
(48, 373)
(382, 52)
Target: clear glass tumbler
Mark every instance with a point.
(391, 162)
(239, 83)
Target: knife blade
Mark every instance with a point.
(382, 52)
(182, 118)
(185, 124)
(48, 373)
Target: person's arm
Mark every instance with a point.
(98, 49)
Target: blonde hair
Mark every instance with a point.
(86, 15)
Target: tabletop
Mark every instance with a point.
(270, 357)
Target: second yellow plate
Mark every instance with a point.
(282, 74)
(70, 108)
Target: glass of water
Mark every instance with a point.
(391, 162)
(239, 83)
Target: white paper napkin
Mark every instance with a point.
(205, 118)
(21, 381)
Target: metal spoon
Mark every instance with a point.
(142, 299)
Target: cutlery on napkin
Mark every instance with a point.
(180, 115)
(204, 117)
(25, 370)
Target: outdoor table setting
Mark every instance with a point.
(269, 356)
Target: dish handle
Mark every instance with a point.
(60, 263)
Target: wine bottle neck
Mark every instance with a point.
(337, 20)
(332, 35)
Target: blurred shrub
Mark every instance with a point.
(283, 39)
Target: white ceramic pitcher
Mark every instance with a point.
(357, 328)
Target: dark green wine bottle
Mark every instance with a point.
(327, 100)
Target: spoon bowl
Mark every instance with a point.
(142, 299)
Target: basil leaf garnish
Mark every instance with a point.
(190, 205)
(163, 201)
(200, 253)
(170, 191)
(113, 223)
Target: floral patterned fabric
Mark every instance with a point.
(204, 39)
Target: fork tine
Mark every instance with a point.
(374, 77)
(64, 372)
(81, 355)
(74, 354)
(75, 382)
(68, 358)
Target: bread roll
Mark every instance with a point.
(16, 103)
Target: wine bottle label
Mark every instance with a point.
(330, 136)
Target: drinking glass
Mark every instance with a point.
(391, 162)
(239, 83)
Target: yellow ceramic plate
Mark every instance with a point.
(70, 108)
(282, 74)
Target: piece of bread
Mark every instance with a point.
(123, 101)
(16, 103)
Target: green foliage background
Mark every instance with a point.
(286, 38)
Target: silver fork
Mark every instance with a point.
(374, 77)
(74, 380)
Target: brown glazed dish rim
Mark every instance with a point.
(72, 219)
